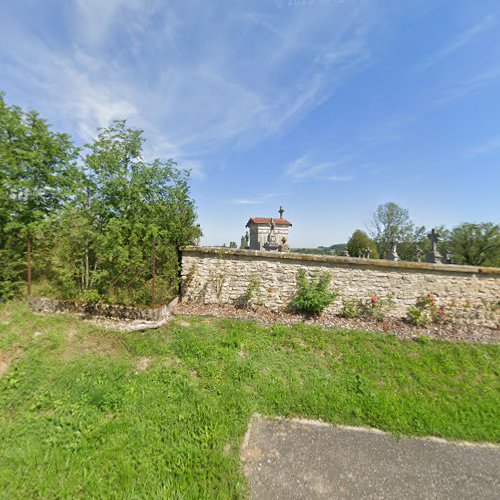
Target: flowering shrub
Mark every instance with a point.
(372, 308)
(426, 311)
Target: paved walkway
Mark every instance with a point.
(296, 459)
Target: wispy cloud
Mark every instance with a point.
(244, 201)
(257, 200)
(486, 24)
(304, 168)
(192, 88)
(339, 178)
(490, 146)
(469, 86)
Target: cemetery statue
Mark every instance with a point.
(368, 251)
(419, 254)
(393, 254)
(448, 257)
(272, 236)
(196, 242)
(247, 238)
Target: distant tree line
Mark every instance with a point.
(94, 223)
(476, 244)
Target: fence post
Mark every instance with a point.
(28, 261)
(153, 282)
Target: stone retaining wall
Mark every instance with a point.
(51, 306)
(215, 275)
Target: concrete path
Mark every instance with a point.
(298, 459)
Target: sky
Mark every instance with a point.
(327, 107)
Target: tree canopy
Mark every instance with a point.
(476, 244)
(101, 217)
(37, 176)
(359, 242)
(391, 223)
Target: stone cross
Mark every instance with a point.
(434, 257)
(281, 211)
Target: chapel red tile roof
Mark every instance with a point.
(267, 220)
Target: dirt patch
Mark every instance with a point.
(398, 327)
(6, 360)
(71, 332)
(4, 365)
(143, 364)
(100, 344)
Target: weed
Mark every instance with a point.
(252, 295)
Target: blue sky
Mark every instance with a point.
(329, 107)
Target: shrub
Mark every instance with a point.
(374, 308)
(350, 308)
(426, 311)
(312, 296)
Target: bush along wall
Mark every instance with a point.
(468, 294)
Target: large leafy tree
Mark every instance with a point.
(391, 223)
(127, 213)
(476, 244)
(37, 171)
(359, 242)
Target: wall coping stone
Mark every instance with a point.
(350, 261)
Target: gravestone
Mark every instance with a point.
(434, 257)
(284, 246)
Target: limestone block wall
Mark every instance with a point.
(215, 275)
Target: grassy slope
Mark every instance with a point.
(77, 419)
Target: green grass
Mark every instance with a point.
(78, 419)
